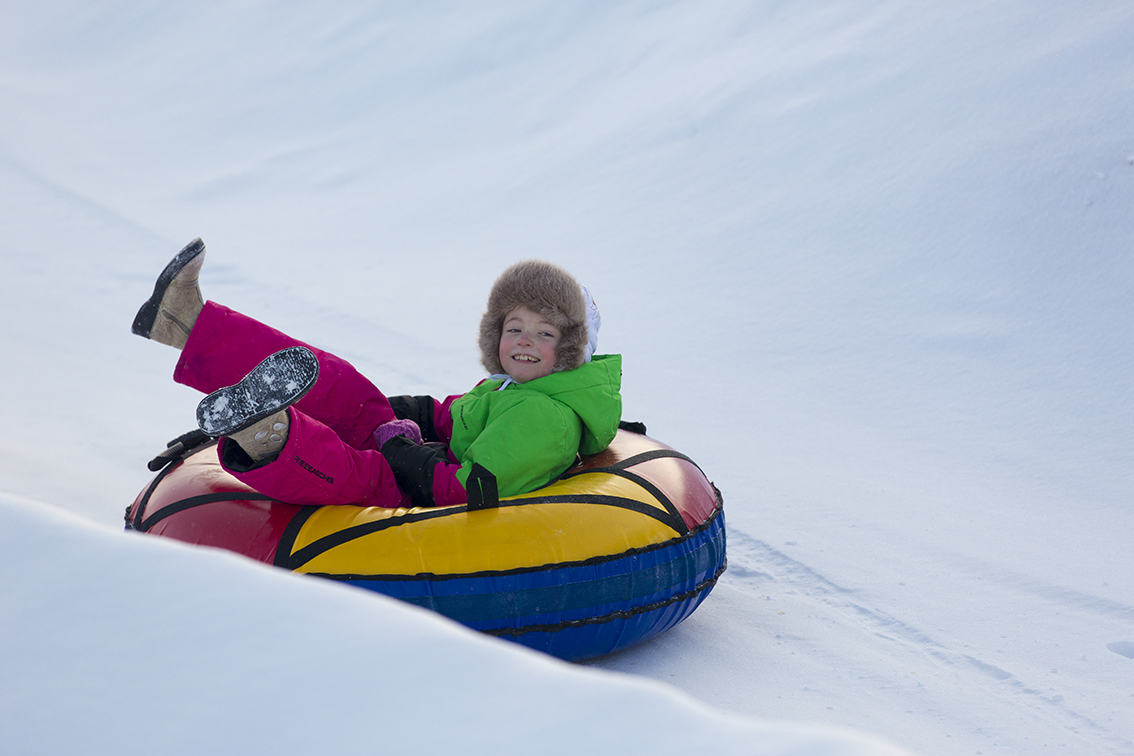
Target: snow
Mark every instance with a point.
(869, 264)
(130, 644)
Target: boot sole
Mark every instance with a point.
(278, 382)
(144, 320)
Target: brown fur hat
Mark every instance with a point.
(545, 289)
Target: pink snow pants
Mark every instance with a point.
(330, 455)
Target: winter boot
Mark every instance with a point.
(264, 441)
(169, 314)
(251, 413)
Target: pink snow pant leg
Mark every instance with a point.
(316, 467)
(224, 346)
(331, 427)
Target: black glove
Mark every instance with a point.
(413, 467)
(420, 410)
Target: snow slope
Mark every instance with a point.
(126, 644)
(868, 264)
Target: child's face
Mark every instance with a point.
(527, 345)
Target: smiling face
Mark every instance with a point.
(527, 345)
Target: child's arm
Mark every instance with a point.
(519, 459)
(424, 473)
(525, 446)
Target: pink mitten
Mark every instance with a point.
(407, 428)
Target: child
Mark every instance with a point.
(302, 425)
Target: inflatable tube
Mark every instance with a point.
(621, 548)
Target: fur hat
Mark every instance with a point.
(545, 289)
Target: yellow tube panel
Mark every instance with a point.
(455, 542)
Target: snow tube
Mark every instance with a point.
(622, 547)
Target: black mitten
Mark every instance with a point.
(420, 410)
(413, 467)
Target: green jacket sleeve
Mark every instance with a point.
(526, 446)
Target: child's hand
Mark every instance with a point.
(406, 428)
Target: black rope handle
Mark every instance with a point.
(178, 448)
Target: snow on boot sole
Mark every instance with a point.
(147, 314)
(278, 382)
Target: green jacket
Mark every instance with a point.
(528, 434)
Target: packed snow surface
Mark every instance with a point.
(870, 264)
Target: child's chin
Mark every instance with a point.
(524, 374)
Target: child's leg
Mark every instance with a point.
(225, 345)
(316, 467)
